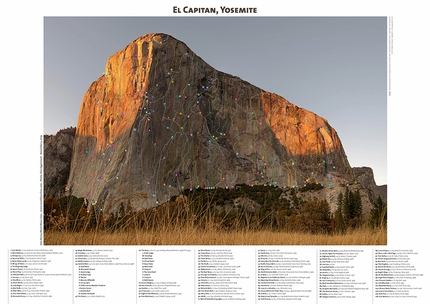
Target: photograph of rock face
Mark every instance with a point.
(168, 149)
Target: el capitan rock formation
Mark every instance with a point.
(160, 120)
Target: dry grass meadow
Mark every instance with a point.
(195, 236)
(200, 221)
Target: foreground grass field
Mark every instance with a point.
(195, 236)
(219, 217)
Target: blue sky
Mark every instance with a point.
(333, 66)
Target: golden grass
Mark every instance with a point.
(196, 236)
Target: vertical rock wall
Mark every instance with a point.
(57, 156)
(161, 120)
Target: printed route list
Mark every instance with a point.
(285, 275)
(226, 274)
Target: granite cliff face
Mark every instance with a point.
(364, 176)
(160, 120)
(57, 153)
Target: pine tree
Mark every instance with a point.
(356, 210)
(357, 207)
(350, 210)
(338, 215)
(378, 214)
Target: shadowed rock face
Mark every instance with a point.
(364, 176)
(160, 120)
(57, 152)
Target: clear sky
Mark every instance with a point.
(333, 66)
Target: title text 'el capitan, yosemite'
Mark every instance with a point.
(214, 10)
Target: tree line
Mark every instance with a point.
(244, 207)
